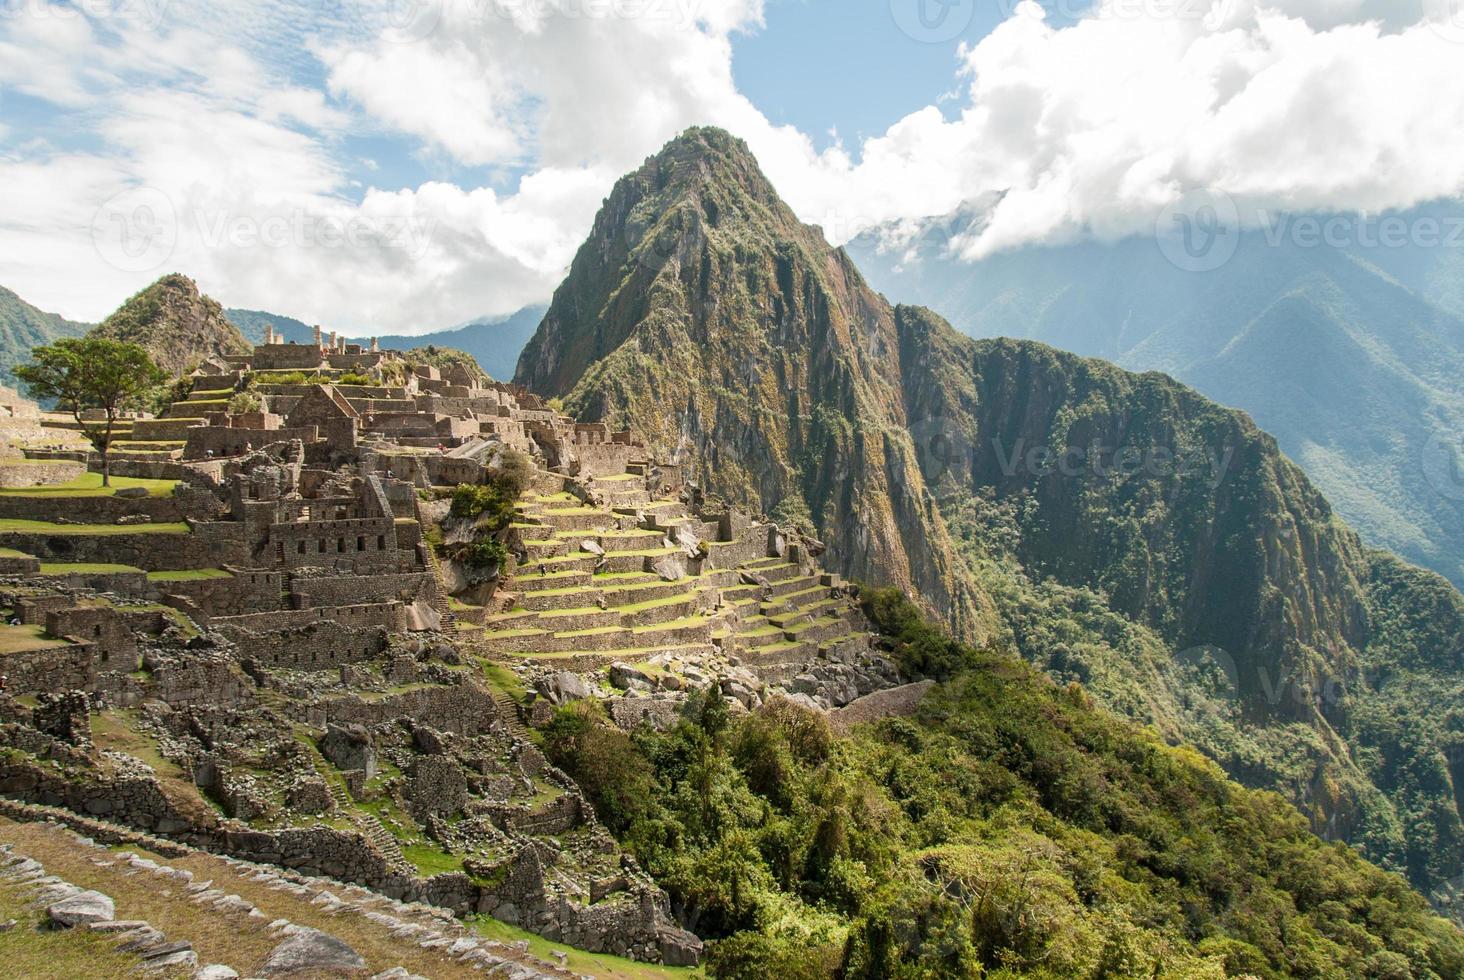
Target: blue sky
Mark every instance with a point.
(337, 162)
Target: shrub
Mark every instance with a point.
(246, 401)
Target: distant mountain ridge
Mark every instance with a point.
(22, 327)
(494, 342)
(1352, 357)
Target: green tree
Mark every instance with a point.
(81, 373)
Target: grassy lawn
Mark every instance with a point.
(84, 568)
(15, 639)
(187, 575)
(90, 485)
(12, 553)
(242, 942)
(601, 965)
(46, 527)
(44, 954)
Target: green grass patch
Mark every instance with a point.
(90, 485)
(85, 568)
(33, 636)
(97, 530)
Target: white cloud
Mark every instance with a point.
(236, 116)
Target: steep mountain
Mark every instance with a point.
(704, 314)
(22, 327)
(1119, 530)
(175, 323)
(1352, 356)
(494, 342)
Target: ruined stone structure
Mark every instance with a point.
(276, 644)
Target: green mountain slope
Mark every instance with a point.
(174, 323)
(22, 327)
(1118, 529)
(1353, 358)
(1007, 829)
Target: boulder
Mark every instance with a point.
(670, 568)
(593, 547)
(132, 493)
(312, 951)
(216, 971)
(627, 678)
(564, 687)
(82, 908)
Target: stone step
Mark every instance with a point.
(635, 561)
(674, 633)
(818, 630)
(654, 587)
(804, 585)
(659, 610)
(577, 519)
(530, 579)
(780, 571)
(537, 549)
(578, 618)
(572, 597)
(802, 614)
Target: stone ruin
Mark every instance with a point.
(265, 648)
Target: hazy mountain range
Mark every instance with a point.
(494, 342)
(1352, 356)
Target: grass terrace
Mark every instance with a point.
(98, 530)
(90, 485)
(23, 638)
(86, 568)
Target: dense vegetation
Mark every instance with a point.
(22, 327)
(1008, 829)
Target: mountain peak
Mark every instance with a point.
(175, 323)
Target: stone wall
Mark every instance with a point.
(348, 590)
(322, 645)
(209, 545)
(33, 473)
(91, 510)
(71, 667)
(221, 440)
